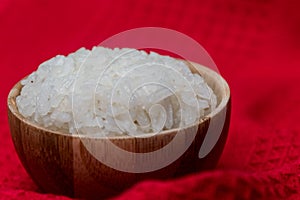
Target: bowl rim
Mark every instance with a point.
(15, 91)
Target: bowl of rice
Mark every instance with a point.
(95, 122)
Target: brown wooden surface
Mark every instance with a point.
(60, 163)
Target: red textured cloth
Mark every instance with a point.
(256, 45)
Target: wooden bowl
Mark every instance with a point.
(62, 163)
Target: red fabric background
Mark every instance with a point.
(256, 45)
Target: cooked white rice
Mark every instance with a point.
(114, 92)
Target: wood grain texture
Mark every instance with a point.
(61, 163)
